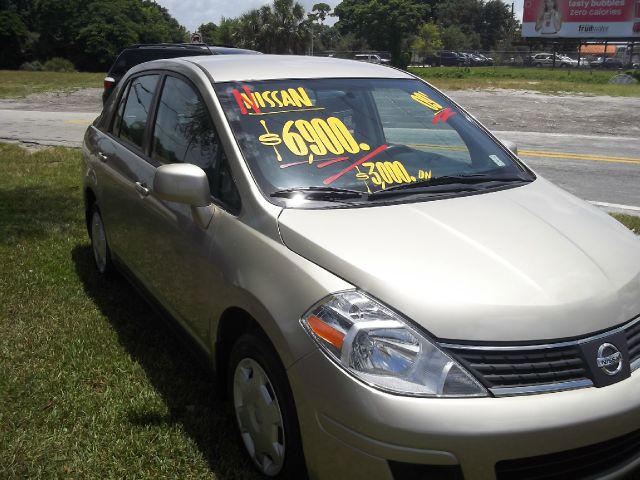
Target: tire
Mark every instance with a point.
(264, 410)
(99, 244)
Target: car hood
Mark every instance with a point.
(524, 264)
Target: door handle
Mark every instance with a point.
(142, 189)
(102, 157)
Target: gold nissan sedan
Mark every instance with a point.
(384, 288)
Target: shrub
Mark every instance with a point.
(34, 66)
(634, 73)
(57, 64)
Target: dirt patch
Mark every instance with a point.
(514, 110)
(84, 100)
(497, 109)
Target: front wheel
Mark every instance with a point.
(264, 409)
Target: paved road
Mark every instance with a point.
(603, 169)
(45, 128)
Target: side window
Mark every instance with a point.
(184, 132)
(117, 121)
(133, 119)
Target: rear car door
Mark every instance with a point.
(124, 170)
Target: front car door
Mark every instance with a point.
(179, 260)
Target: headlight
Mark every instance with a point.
(383, 350)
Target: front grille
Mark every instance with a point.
(520, 368)
(410, 471)
(633, 342)
(517, 370)
(591, 461)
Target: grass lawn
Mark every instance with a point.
(632, 222)
(587, 82)
(19, 84)
(14, 83)
(92, 384)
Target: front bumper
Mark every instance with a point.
(353, 431)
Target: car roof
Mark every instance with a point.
(227, 68)
(136, 54)
(219, 50)
(181, 47)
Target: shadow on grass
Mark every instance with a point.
(33, 212)
(187, 387)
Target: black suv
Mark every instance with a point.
(447, 58)
(137, 54)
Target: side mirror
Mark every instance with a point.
(511, 146)
(188, 184)
(182, 183)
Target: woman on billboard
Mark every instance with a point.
(549, 20)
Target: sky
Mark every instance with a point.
(192, 13)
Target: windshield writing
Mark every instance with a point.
(358, 134)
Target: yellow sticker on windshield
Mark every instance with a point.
(383, 174)
(274, 101)
(425, 175)
(315, 137)
(442, 114)
(423, 99)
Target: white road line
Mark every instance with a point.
(615, 205)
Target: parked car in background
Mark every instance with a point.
(447, 58)
(547, 60)
(468, 61)
(140, 53)
(584, 63)
(607, 63)
(485, 60)
(541, 59)
(372, 58)
(386, 291)
(566, 61)
(474, 60)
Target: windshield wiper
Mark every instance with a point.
(319, 193)
(451, 183)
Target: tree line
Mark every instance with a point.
(90, 33)
(397, 26)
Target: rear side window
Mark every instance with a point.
(132, 114)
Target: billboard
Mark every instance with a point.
(581, 19)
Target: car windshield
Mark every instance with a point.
(359, 140)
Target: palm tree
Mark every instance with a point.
(277, 28)
(290, 30)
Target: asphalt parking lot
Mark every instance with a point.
(588, 145)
